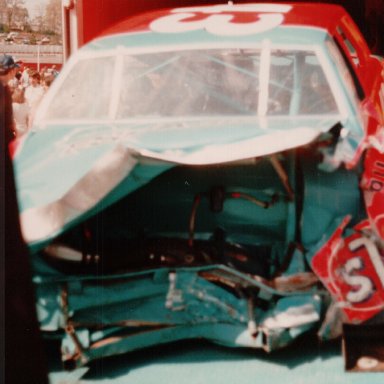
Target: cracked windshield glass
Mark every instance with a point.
(195, 83)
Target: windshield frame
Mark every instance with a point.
(117, 54)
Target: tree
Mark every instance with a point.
(52, 17)
(14, 10)
(21, 18)
(38, 21)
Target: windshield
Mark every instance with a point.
(212, 82)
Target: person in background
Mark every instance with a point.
(19, 330)
(33, 95)
(25, 77)
(34, 92)
(54, 71)
(43, 72)
(8, 69)
(15, 82)
(20, 112)
(48, 79)
(18, 79)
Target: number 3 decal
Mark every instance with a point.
(216, 22)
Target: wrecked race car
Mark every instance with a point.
(208, 172)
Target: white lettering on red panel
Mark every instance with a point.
(363, 285)
(223, 20)
(372, 184)
(351, 277)
(353, 271)
(357, 274)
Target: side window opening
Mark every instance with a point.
(348, 44)
(356, 83)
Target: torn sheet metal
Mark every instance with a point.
(372, 184)
(117, 314)
(352, 269)
(56, 192)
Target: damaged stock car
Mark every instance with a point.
(208, 172)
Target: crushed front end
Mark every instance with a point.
(233, 253)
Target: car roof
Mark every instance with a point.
(315, 15)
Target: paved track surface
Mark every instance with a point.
(200, 362)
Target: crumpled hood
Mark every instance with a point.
(66, 173)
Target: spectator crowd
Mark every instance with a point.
(26, 87)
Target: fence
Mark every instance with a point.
(35, 55)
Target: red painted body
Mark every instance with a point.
(352, 269)
(373, 187)
(95, 16)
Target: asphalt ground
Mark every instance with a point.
(198, 362)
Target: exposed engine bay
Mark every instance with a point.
(219, 252)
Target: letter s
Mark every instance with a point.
(364, 283)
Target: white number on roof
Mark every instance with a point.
(218, 20)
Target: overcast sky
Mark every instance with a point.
(34, 5)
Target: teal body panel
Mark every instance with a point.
(281, 35)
